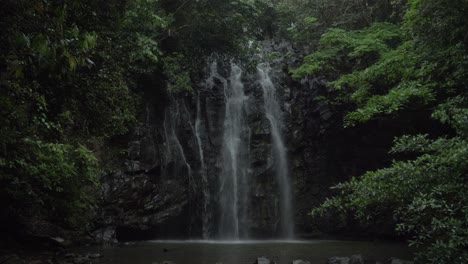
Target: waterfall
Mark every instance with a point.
(234, 216)
(173, 144)
(205, 186)
(273, 114)
(233, 186)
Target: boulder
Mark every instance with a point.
(81, 260)
(400, 261)
(105, 235)
(70, 255)
(338, 260)
(134, 150)
(263, 260)
(299, 261)
(94, 255)
(356, 259)
(133, 166)
(11, 259)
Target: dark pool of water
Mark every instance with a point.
(245, 252)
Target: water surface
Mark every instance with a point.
(245, 252)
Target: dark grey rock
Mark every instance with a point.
(94, 255)
(356, 259)
(105, 235)
(300, 262)
(152, 191)
(134, 150)
(11, 259)
(81, 260)
(400, 261)
(338, 260)
(263, 260)
(70, 255)
(133, 166)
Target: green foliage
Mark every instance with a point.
(427, 195)
(358, 46)
(304, 21)
(178, 78)
(142, 26)
(395, 100)
(218, 26)
(388, 70)
(71, 73)
(201, 29)
(55, 177)
(342, 49)
(454, 112)
(60, 90)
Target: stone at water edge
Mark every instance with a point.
(356, 259)
(263, 260)
(95, 255)
(81, 260)
(299, 261)
(11, 259)
(70, 255)
(338, 260)
(399, 261)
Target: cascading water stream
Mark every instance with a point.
(273, 114)
(234, 185)
(173, 144)
(205, 186)
(233, 189)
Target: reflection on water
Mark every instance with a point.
(245, 252)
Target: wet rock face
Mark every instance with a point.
(167, 187)
(160, 191)
(300, 262)
(142, 200)
(263, 260)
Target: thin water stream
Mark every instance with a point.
(205, 184)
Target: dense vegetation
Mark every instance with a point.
(72, 74)
(393, 68)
